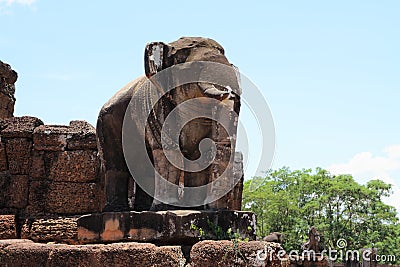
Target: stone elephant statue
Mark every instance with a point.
(114, 170)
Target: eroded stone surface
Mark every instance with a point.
(82, 136)
(78, 135)
(50, 137)
(14, 190)
(7, 89)
(28, 253)
(73, 198)
(61, 229)
(228, 253)
(3, 158)
(19, 127)
(8, 228)
(206, 253)
(46, 197)
(18, 151)
(182, 227)
(78, 166)
(37, 198)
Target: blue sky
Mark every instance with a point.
(329, 70)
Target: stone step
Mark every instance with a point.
(175, 227)
(22, 252)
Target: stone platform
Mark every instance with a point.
(22, 252)
(178, 227)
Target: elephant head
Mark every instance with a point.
(160, 56)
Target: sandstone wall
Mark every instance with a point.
(49, 176)
(46, 171)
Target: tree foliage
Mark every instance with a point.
(291, 202)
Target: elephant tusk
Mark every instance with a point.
(212, 91)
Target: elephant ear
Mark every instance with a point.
(155, 58)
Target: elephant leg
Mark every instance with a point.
(196, 197)
(191, 136)
(221, 179)
(166, 172)
(143, 201)
(116, 184)
(221, 168)
(114, 172)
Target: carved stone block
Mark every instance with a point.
(19, 127)
(79, 166)
(8, 77)
(46, 197)
(3, 158)
(184, 227)
(72, 198)
(14, 190)
(50, 137)
(8, 228)
(61, 229)
(27, 253)
(82, 136)
(18, 152)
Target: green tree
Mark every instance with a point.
(292, 201)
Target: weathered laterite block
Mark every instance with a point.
(37, 198)
(77, 136)
(8, 77)
(61, 229)
(65, 166)
(18, 151)
(50, 137)
(206, 253)
(7, 100)
(74, 166)
(3, 158)
(37, 170)
(27, 253)
(82, 136)
(226, 253)
(8, 228)
(21, 252)
(19, 127)
(46, 197)
(14, 190)
(72, 198)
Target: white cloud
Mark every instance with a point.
(22, 2)
(365, 166)
(366, 163)
(393, 151)
(5, 6)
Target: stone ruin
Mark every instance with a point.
(7, 90)
(52, 197)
